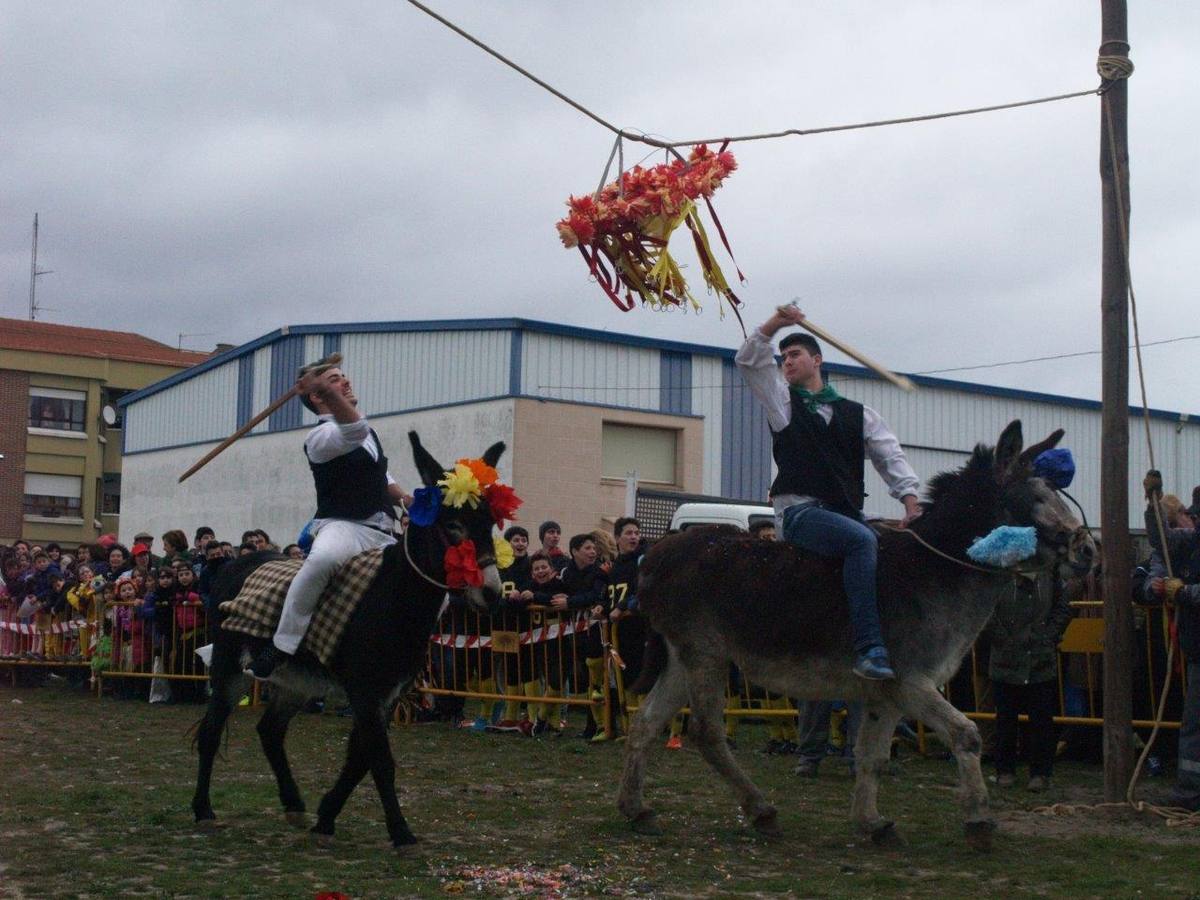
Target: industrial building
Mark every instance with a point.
(579, 410)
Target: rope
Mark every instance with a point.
(411, 561)
(790, 132)
(986, 570)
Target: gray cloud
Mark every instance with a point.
(228, 168)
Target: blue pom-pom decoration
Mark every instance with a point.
(1004, 546)
(1055, 466)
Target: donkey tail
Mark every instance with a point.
(654, 662)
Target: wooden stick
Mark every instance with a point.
(900, 381)
(328, 362)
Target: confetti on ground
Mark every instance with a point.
(522, 881)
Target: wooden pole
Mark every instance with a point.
(1114, 439)
(332, 360)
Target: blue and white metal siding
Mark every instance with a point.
(745, 439)
(406, 370)
(203, 408)
(582, 371)
(707, 391)
(316, 346)
(261, 390)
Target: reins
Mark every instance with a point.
(411, 561)
(987, 570)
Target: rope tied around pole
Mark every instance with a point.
(1113, 68)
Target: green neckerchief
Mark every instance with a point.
(827, 394)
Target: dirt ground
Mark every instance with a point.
(94, 801)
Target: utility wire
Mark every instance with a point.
(993, 365)
(790, 132)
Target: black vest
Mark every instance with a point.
(822, 461)
(352, 486)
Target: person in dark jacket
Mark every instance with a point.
(1026, 629)
(585, 589)
(1183, 592)
(629, 628)
(512, 615)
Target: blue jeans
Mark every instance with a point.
(831, 534)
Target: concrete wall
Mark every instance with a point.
(558, 463)
(263, 481)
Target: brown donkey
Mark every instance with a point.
(715, 596)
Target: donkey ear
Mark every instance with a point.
(1032, 453)
(492, 455)
(1008, 449)
(428, 468)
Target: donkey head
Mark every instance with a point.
(470, 521)
(1030, 500)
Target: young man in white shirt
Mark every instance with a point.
(355, 499)
(820, 443)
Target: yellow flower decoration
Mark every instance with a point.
(503, 551)
(460, 487)
(483, 473)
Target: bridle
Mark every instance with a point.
(482, 561)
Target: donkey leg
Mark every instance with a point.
(226, 680)
(383, 772)
(871, 753)
(272, 731)
(353, 769)
(962, 737)
(706, 681)
(665, 699)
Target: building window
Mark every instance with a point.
(110, 503)
(57, 410)
(650, 452)
(53, 496)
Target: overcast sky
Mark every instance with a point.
(222, 169)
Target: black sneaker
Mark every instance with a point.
(266, 660)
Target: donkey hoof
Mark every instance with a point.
(885, 835)
(320, 838)
(767, 823)
(979, 834)
(209, 824)
(646, 822)
(405, 842)
(297, 818)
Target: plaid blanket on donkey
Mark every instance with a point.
(256, 609)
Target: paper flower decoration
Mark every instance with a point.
(461, 568)
(461, 487)
(623, 230)
(503, 551)
(425, 505)
(483, 473)
(503, 503)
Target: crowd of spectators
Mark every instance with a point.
(109, 606)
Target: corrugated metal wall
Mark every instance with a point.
(590, 371)
(408, 370)
(707, 392)
(203, 408)
(745, 440)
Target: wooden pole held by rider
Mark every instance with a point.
(334, 359)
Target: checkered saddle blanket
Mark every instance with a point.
(256, 609)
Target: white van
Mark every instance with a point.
(739, 514)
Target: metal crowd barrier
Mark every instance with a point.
(43, 639)
(141, 649)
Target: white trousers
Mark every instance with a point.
(335, 542)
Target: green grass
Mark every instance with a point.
(94, 801)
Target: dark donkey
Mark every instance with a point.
(715, 596)
(382, 649)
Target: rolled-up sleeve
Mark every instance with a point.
(887, 456)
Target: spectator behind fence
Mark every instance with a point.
(1183, 591)
(1026, 629)
(175, 546)
(585, 589)
(549, 534)
(118, 562)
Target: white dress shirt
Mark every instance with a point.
(756, 361)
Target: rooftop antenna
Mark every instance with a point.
(34, 272)
(189, 334)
